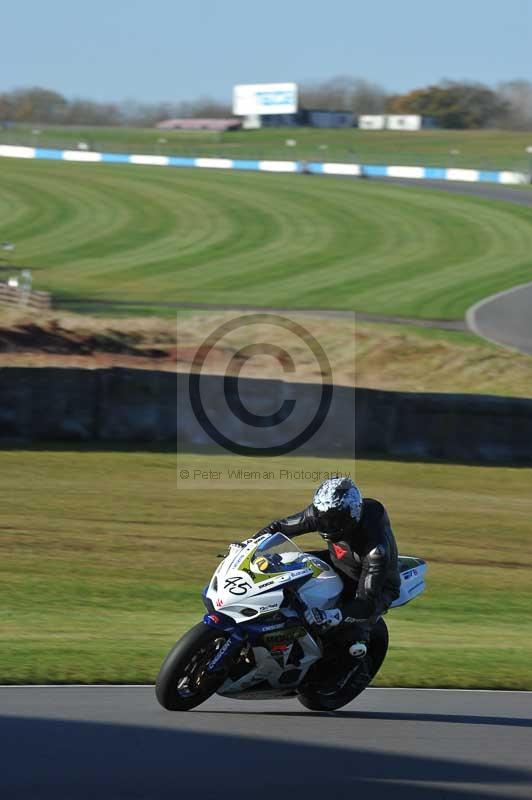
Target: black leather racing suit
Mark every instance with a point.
(365, 558)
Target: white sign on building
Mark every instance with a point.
(265, 98)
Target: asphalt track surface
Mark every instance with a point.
(116, 742)
(505, 318)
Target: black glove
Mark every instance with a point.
(273, 527)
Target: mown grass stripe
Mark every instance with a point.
(113, 231)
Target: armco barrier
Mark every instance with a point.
(314, 167)
(145, 406)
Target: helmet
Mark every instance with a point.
(337, 505)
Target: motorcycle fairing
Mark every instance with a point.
(242, 601)
(234, 582)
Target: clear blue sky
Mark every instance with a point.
(153, 50)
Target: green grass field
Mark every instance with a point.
(102, 560)
(478, 149)
(150, 235)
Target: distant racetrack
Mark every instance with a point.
(116, 742)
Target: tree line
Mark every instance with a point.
(47, 107)
(453, 104)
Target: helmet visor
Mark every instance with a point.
(333, 521)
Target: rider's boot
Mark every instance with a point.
(358, 650)
(346, 662)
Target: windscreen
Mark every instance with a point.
(278, 554)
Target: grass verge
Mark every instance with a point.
(391, 357)
(102, 562)
(482, 149)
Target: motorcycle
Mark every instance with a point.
(255, 643)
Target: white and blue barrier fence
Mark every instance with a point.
(315, 167)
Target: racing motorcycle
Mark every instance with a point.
(255, 643)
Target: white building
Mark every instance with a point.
(395, 122)
(372, 122)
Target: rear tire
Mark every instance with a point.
(315, 700)
(182, 683)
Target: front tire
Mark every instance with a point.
(315, 700)
(182, 683)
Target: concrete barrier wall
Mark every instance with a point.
(143, 406)
(314, 167)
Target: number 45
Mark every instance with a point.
(237, 585)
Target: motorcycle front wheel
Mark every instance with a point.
(183, 682)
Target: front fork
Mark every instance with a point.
(224, 658)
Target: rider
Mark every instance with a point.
(361, 547)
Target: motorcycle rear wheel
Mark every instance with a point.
(315, 700)
(183, 683)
